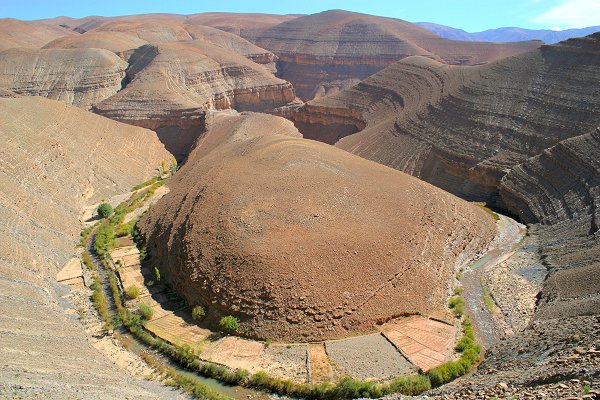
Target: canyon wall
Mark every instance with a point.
(323, 53)
(464, 128)
(81, 77)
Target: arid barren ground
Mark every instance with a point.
(330, 228)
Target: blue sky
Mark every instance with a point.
(470, 15)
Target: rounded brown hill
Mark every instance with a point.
(303, 241)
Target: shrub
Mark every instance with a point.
(157, 274)
(457, 303)
(105, 210)
(198, 313)
(132, 292)
(87, 260)
(458, 290)
(229, 323)
(146, 311)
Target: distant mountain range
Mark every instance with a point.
(508, 34)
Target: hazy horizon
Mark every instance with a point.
(471, 16)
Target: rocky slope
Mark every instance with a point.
(332, 50)
(172, 85)
(29, 34)
(510, 133)
(464, 128)
(303, 241)
(81, 77)
(117, 42)
(56, 160)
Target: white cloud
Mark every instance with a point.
(556, 28)
(572, 14)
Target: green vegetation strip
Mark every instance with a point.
(487, 300)
(488, 210)
(346, 388)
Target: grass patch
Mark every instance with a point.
(488, 210)
(144, 184)
(488, 301)
(101, 303)
(87, 260)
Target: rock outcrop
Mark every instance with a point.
(303, 241)
(464, 128)
(81, 77)
(172, 86)
(323, 53)
(56, 160)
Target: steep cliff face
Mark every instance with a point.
(56, 160)
(172, 85)
(81, 77)
(303, 241)
(463, 128)
(323, 53)
(561, 183)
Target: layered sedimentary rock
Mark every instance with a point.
(464, 128)
(117, 42)
(323, 53)
(179, 28)
(238, 23)
(29, 34)
(56, 160)
(82, 77)
(303, 241)
(173, 85)
(509, 132)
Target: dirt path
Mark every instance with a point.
(490, 327)
(320, 368)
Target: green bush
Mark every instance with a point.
(453, 369)
(146, 311)
(198, 313)
(229, 323)
(105, 210)
(157, 274)
(132, 292)
(457, 303)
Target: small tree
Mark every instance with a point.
(229, 323)
(105, 210)
(157, 274)
(198, 313)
